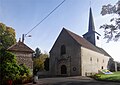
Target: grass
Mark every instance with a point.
(109, 77)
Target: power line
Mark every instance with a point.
(46, 17)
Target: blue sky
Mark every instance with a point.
(23, 15)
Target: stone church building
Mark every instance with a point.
(73, 55)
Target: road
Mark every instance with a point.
(78, 80)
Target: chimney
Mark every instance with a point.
(23, 36)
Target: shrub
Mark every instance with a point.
(10, 70)
(96, 76)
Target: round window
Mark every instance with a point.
(74, 68)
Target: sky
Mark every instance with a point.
(23, 15)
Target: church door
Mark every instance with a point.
(63, 69)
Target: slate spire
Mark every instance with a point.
(91, 26)
(91, 34)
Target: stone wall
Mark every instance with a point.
(24, 58)
(92, 61)
(71, 59)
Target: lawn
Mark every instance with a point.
(109, 77)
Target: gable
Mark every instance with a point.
(20, 47)
(64, 38)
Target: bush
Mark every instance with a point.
(96, 76)
(10, 70)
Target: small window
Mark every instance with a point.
(98, 37)
(103, 60)
(97, 60)
(63, 50)
(90, 58)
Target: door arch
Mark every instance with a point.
(63, 69)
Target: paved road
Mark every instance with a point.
(78, 80)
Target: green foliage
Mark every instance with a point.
(24, 70)
(38, 63)
(37, 53)
(118, 66)
(7, 36)
(46, 64)
(10, 70)
(96, 76)
(108, 77)
(111, 65)
(8, 66)
(111, 31)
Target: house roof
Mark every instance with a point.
(83, 42)
(20, 47)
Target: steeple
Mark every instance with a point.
(91, 26)
(92, 36)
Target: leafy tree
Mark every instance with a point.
(112, 31)
(24, 70)
(111, 65)
(46, 64)
(9, 69)
(37, 52)
(118, 64)
(8, 66)
(38, 64)
(7, 36)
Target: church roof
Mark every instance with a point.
(83, 42)
(103, 51)
(20, 47)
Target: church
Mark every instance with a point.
(73, 55)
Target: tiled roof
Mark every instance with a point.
(20, 47)
(83, 42)
(103, 51)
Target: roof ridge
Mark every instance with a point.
(82, 41)
(20, 46)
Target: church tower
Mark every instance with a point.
(92, 36)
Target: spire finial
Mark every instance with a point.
(90, 3)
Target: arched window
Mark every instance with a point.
(63, 50)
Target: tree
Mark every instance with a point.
(8, 66)
(118, 66)
(39, 63)
(7, 36)
(46, 64)
(111, 65)
(9, 69)
(37, 52)
(112, 31)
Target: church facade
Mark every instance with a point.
(73, 55)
